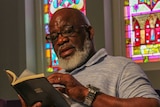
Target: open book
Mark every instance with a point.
(36, 88)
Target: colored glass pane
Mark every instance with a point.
(142, 30)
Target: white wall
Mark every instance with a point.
(95, 14)
(17, 41)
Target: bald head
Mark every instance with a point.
(67, 16)
(72, 37)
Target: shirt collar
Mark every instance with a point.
(94, 59)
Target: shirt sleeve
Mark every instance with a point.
(135, 83)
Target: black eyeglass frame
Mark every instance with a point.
(66, 33)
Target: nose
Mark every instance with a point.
(61, 39)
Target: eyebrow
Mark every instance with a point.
(62, 29)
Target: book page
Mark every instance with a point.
(11, 76)
(25, 73)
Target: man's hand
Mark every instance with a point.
(38, 104)
(72, 87)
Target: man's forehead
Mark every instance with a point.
(60, 21)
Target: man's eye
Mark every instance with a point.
(69, 31)
(54, 36)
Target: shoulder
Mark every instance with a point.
(102, 53)
(116, 63)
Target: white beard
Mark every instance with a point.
(78, 58)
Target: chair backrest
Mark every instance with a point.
(2, 103)
(10, 103)
(16, 103)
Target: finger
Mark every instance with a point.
(62, 79)
(55, 78)
(60, 89)
(38, 104)
(22, 101)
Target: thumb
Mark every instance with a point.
(38, 104)
(22, 101)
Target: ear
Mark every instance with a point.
(91, 32)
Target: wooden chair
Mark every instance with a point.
(10, 103)
(2, 103)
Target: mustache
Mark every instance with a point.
(64, 47)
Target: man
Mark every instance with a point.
(94, 78)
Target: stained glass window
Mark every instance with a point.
(142, 30)
(50, 6)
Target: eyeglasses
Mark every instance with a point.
(67, 32)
